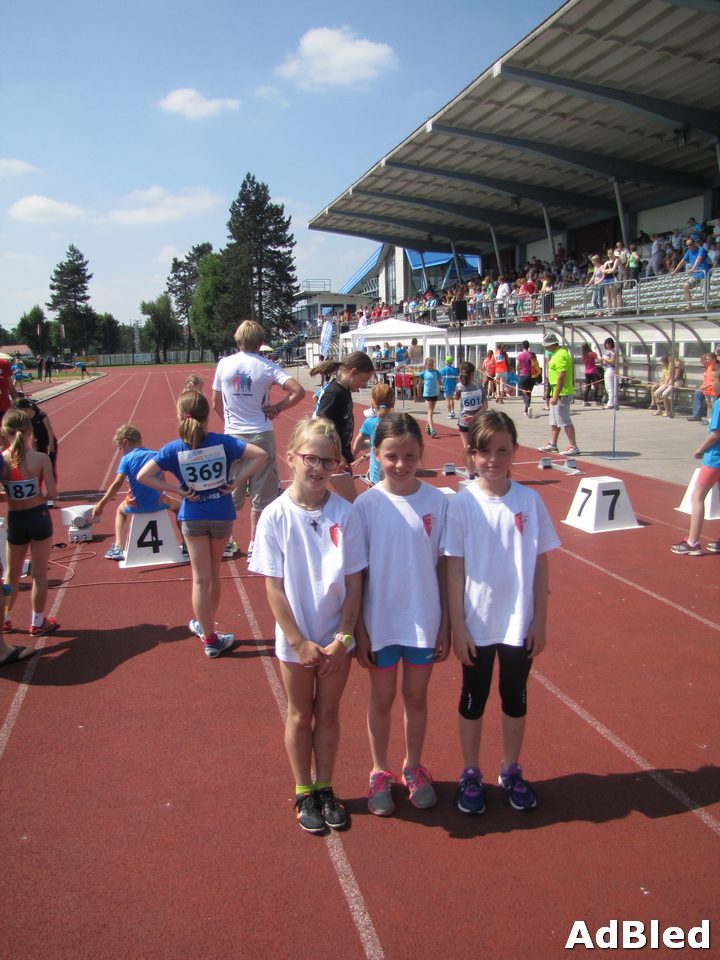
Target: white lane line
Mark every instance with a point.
(24, 686)
(660, 779)
(648, 593)
(348, 882)
(95, 410)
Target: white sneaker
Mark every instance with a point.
(250, 549)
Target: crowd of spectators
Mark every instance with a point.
(525, 292)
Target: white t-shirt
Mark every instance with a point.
(500, 539)
(244, 380)
(306, 548)
(398, 540)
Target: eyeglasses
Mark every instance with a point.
(310, 460)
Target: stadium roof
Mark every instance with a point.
(604, 104)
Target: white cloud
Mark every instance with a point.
(328, 57)
(193, 105)
(36, 209)
(271, 95)
(158, 206)
(167, 254)
(15, 168)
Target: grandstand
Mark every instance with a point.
(600, 126)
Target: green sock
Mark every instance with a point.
(300, 789)
(322, 785)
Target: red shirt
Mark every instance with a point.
(6, 379)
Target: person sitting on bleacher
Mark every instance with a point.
(697, 264)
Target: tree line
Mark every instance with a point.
(207, 293)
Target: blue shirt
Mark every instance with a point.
(711, 457)
(430, 380)
(367, 429)
(449, 376)
(203, 472)
(147, 499)
(703, 267)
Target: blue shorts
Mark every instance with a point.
(414, 656)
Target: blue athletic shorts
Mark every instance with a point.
(414, 656)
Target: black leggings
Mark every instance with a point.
(515, 666)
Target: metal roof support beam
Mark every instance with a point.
(593, 163)
(665, 112)
(474, 214)
(424, 269)
(621, 213)
(548, 230)
(510, 188)
(425, 227)
(497, 249)
(456, 259)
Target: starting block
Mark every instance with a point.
(79, 522)
(568, 466)
(152, 541)
(712, 500)
(601, 504)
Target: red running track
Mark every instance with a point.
(147, 800)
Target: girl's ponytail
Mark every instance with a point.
(193, 413)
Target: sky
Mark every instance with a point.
(127, 129)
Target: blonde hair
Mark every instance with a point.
(308, 428)
(194, 382)
(249, 336)
(15, 424)
(382, 399)
(193, 412)
(127, 433)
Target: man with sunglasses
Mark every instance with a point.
(697, 263)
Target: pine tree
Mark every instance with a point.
(69, 299)
(182, 283)
(261, 270)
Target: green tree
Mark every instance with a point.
(34, 330)
(107, 333)
(261, 270)
(211, 314)
(69, 299)
(161, 326)
(181, 285)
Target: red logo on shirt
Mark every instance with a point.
(520, 521)
(428, 524)
(336, 534)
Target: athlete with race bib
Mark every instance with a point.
(202, 465)
(471, 398)
(28, 481)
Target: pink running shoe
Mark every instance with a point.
(419, 783)
(380, 801)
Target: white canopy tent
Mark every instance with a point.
(393, 330)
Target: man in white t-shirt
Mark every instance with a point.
(241, 396)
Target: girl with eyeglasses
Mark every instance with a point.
(300, 550)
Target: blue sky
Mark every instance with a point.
(127, 129)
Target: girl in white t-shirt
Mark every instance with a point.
(395, 527)
(496, 540)
(300, 549)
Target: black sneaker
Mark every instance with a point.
(333, 812)
(307, 811)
